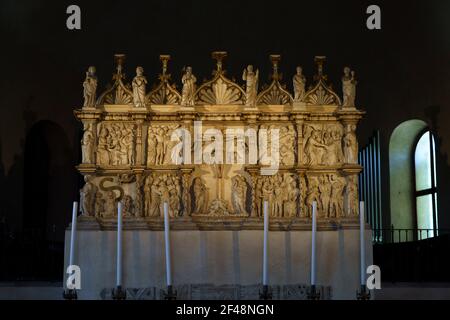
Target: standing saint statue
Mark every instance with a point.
(199, 196)
(139, 83)
(251, 85)
(90, 88)
(350, 145)
(299, 82)
(349, 88)
(188, 92)
(87, 197)
(87, 145)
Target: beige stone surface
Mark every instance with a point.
(220, 258)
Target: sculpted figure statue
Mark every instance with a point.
(325, 194)
(258, 197)
(299, 82)
(348, 88)
(286, 145)
(290, 204)
(267, 192)
(110, 204)
(333, 142)
(87, 145)
(239, 195)
(139, 83)
(199, 196)
(313, 195)
(99, 205)
(151, 146)
(352, 196)
(251, 84)
(148, 196)
(159, 136)
(337, 199)
(278, 198)
(103, 145)
(173, 185)
(155, 202)
(188, 92)
(90, 88)
(303, 194)
(350, 145)
(128, 208)
(314, 148)
(87, 197)
(164, 195)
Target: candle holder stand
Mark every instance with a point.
(266, 293)
(171, 294)
(118, 293)
(363, 293)
(313, 294)
(70, 294)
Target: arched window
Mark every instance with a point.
(425, 185)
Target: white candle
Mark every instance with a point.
(362, 226)
(266, 235)
(313, 243)
(119, 245)
(73, 232)
(167, 244)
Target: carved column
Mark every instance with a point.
(299, 122)
(186, 174)
(139, 146)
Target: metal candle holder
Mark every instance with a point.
(118, 293)
(363, 293)
(70, 294)
(171, 294)
(266, 293)
(313, 294)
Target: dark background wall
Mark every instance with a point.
(403, 71)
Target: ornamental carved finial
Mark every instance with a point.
(275, 59)
(119, 59)
(219, 56)
(320, 61)
(164, 58)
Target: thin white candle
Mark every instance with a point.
(313, 243)
(266, 235)
(362, 226)
(167, 244)
(119, 245)
(73, 233)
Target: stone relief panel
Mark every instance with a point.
(328, 191)
(116, 144)
(282, 193)
(323, 144)
(286, 142)
(159, 144)
(160, 188)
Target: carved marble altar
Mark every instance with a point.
(214, 151)
(128, 149)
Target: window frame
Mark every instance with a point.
(433, 191)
